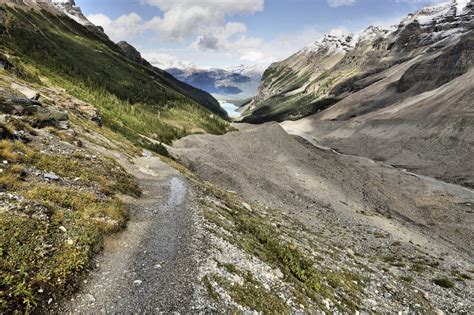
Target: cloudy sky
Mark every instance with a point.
(221, 33)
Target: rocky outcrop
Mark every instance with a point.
(27, 92)
(38, 115)
(132, 53)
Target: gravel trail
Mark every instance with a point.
(150, 266)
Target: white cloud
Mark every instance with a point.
(100, 19)
(124, 27)
(215, 39)
(339, 3)
(224, 6)
(183, 18)
(166, 61)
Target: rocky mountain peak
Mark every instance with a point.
(69, 8)
(371, 33)
(66, 7)
(332, 44)
(439, 13)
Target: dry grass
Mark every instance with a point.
(51, 230)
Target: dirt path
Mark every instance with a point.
(150, 266)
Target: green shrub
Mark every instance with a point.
(443, 282)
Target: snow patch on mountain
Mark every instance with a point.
(332, 44)
(434, 13)
(253, 71)
(69, 8)
(371, 33)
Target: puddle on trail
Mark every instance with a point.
(177, 192)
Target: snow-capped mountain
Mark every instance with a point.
(66, 7)
(252, 71)
(335, 66)
(332, 44)
(240, 82)
(69, 8)
(437, 12)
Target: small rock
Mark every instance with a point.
(279, 274)
(50, 301)
(137, 282)
(90, 298)
(63, 229)
(70, 242)
(51, 176)
(40, 291)
(246, 206)
(64, 125)
(5, 162)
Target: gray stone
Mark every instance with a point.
(27, 92)
(51, 177)
(246, 206)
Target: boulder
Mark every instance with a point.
(13, 105)
(51, 177)
(10, 108)
(43, 117)
(27, 92)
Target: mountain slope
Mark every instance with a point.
(403, 97)
(303, 84)
(72, 106)
(135, 99)
(196, 94)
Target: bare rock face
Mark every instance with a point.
(402, 96)
(433, 73)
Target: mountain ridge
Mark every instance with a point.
(300, 79)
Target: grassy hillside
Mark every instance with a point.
(280, 109)
(51, 228)
(134, 99)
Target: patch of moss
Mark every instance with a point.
(251, 294)
(443, 282)
(210, 289)
(459, 276)
(407, 279)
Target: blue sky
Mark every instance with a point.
(221, 33)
